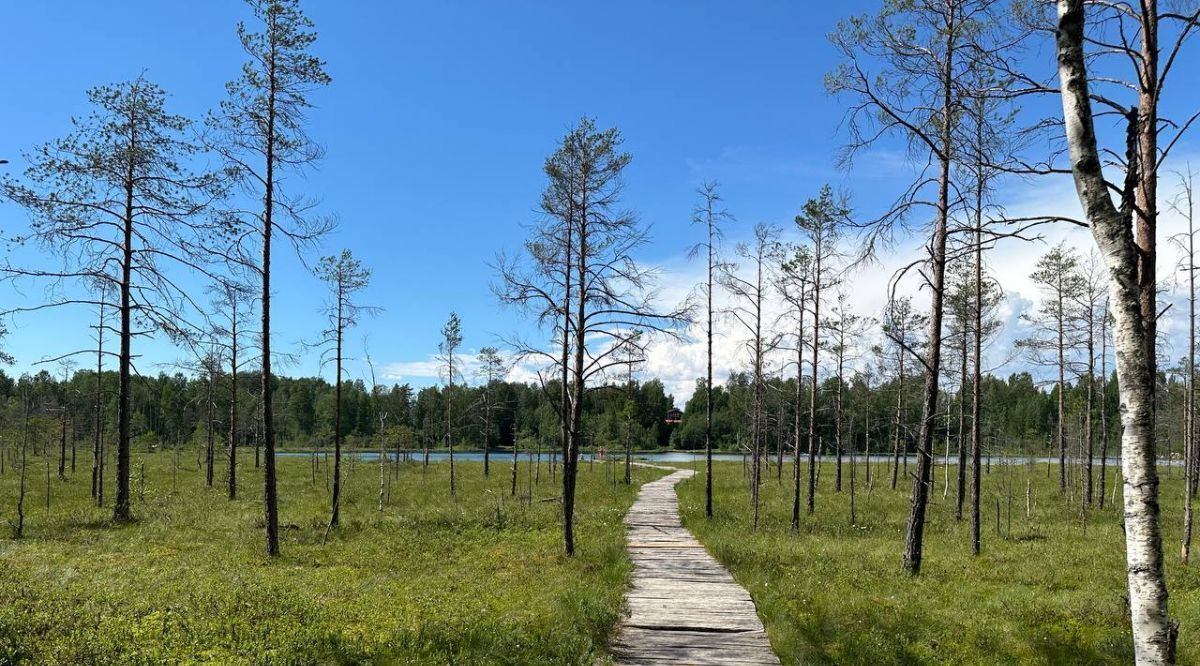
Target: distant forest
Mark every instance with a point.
(171, 410)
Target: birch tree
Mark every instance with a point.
(1132, 50)
(1113, 227)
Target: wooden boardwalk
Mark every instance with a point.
(684, 607)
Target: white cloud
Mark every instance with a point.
(678, 363)
(1011, 263)
(409, 370)
(431, 370)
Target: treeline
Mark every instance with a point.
(174, 410)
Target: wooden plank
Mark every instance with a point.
(683, 606)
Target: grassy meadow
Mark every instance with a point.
(430, 579)
(1047, 589)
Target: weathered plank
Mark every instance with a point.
(683, 606)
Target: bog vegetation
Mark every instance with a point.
(424, 580)
(163, 226)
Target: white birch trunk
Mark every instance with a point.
(1154, 631)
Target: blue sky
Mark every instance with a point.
(437, 122)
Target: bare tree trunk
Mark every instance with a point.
(98, 442)
(915, 532)
(799, 412)
(757, 417)
(270, 483)
(1089, 403)
(382, 468)
(513, 491)
(780, 428)
(450, 421)
(210, 425)
(1189, 477)
(1103, 403)
(62, 446)
(853, 506)
(896, 439)
(19, 529)
(708, 381)
(977, 374)
(629, 424)
(335, 513)
(570, 463)
(487, 435)
(837, 427)
(867, 431)
(121, 505)
(233, 400)
(564, 412)
(812, 398)
(961, 488)
(1060, 428)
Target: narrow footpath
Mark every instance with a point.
(684, 607)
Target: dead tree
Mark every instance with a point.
(820, 223)
(345, 276)
(845, 329)
(98, 436)
(451, 340)
(709, 213)
(1184, 204)
(492, 370)
(795, 277)
(1089, 311)
(1055, 335)
(382, 414)
(232, 299)
(580, 280)
(631, 354)
(901, 328)
(750, 297)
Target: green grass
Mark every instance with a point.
(431, 579)
(1042, 592)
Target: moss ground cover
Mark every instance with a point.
(430, 579)
(1047, 589)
